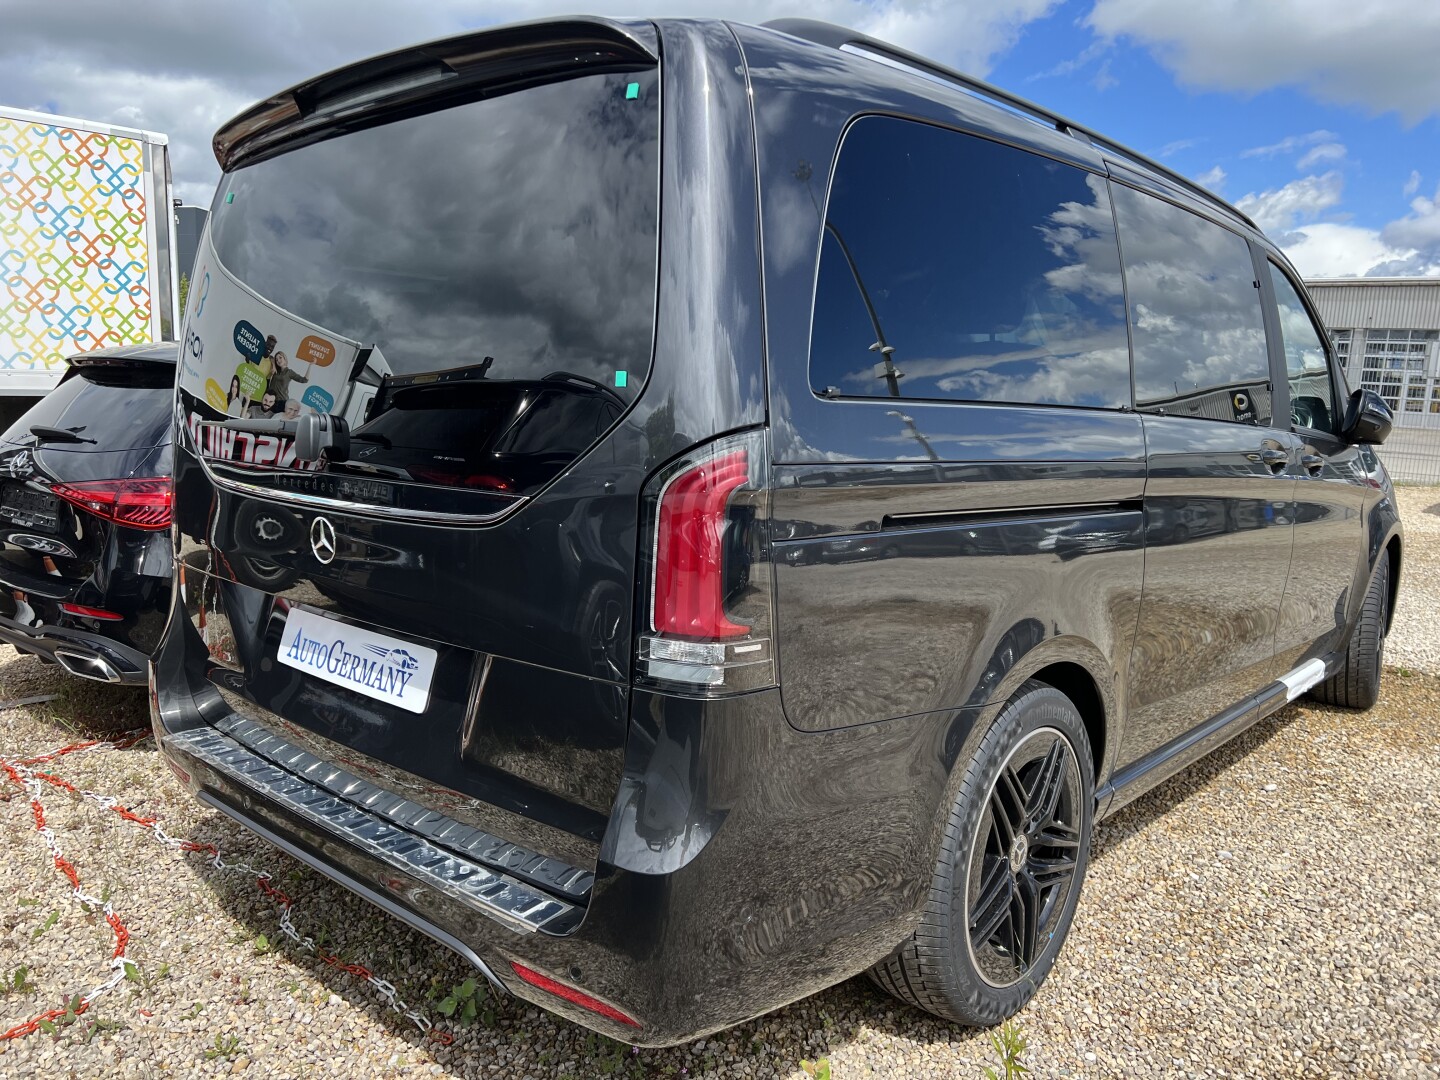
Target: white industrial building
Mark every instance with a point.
(1387, 334)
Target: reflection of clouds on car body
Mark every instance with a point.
(412, 279)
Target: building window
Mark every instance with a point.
(1341, 340)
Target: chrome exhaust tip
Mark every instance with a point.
(87, 666)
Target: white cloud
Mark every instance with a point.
(1179, 145)
(1329, 249)
(1412, 185)
(1212, 178)
(1280, 209)
(183, 69)
(1407, 247)
(1290, 144)
(1318, 155)
(1420, 228)
(1379, 56)
(1091, 52)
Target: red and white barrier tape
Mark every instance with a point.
(23, 774)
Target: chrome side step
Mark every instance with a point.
(517, 905)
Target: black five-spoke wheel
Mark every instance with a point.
(1012, 859)
(1024, 857)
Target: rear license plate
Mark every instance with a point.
(30, 509)
(384, 668)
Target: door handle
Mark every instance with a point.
(1314, 463)
(1275, 459)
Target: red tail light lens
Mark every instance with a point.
(570, 994)
(689, 585)
(139, 503)
(709, 609)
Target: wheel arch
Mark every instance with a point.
(1079, 670)
(1392, 549)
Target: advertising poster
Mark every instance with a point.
(247, 359)
(75, 264)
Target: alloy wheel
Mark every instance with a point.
(1024, 857)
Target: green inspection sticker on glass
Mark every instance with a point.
(632, 91)
(621, 378)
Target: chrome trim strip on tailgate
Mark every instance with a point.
(513, 903)
(356, 509)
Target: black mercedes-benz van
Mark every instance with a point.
(685, 513)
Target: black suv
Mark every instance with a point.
(85, 552)
(922, 476)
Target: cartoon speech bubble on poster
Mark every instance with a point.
(315, 350)
(249, 342)
(252, 382)
(317, 399)
(215, 395)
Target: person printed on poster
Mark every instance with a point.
(283, 376)
(264, 409)
(234, 404)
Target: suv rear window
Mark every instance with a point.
(121, 407)
(512, 238)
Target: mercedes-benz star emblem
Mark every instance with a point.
(322, 540)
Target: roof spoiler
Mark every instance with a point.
(410, 79)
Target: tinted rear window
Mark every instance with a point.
(121, 408)
(991, 272)
(520, 227)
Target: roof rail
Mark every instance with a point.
(837, 37)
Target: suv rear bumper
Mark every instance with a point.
(746, 865)
(91, 656)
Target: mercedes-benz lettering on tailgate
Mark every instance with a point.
(684, 513)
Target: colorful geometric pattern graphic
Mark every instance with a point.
(74, 266)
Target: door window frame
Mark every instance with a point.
(1279, 371)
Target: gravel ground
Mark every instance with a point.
(1300, 945)
(1415, 634)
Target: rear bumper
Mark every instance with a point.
(746, 865)
(91, 656)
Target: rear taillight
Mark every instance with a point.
(139, 503)
(707, 615)
(486, 481)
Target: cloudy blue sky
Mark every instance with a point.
(1320, 118)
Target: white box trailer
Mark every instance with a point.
(87, 243)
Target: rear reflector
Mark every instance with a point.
(570, 994)
(139, 503)
(83, 612)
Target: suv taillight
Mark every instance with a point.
(707, 615)
(139, 503)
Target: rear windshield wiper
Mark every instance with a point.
(45, 433)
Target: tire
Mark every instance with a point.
(940, 968)
(1356, 683)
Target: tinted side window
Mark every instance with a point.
(1197, 328)
(992, 273)
(1312, 399)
